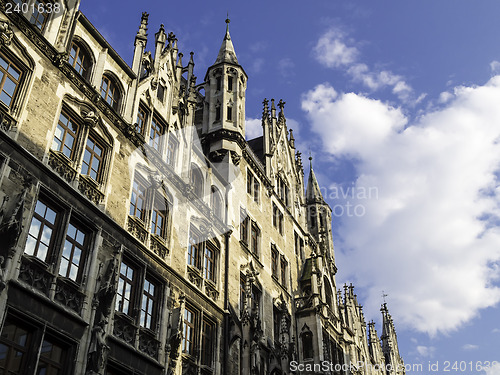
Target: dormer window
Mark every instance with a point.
(110, 92)
(80, 59)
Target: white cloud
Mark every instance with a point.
(331, 51)
(492, 370)
(286, 66)
(496, 330)
(495, 67)
(469, 347)
(253, 128)
(431, 237)
(426, 351)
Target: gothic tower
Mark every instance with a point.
(224, 109)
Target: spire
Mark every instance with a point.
(142, 33)
(226, 52)
(313, 192)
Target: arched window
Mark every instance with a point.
(110, 91)
(80, 59)
(197, 180)
(216, 202)
(307, 345)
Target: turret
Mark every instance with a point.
(141, 39)
(319, 215)
(224, 118)
(390, 344)
(160, 39)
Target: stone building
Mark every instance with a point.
(141, 233)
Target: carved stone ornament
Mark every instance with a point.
(6, 33)
(98, 350)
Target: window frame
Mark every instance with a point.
(114, 87)
(85, 69)
(11, 63)
(94, 156)
(142, 121)
(156, 132)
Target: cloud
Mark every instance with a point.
(332, 51)
(286, 66)
(496, 330)
(253, 128)
(469, 347)
(426, 351)
(495, 67)
(493, 369)
(430, 237)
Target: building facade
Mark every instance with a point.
(141, 233)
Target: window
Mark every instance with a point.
(218, 83)
(43, 243)
(126, 288)
(157, 130)
(160, 93)
(229, 114)
(159, 219)
(255, 236)
(244, 221)
(40, 14)
(207, 342)
(209, 264)
(188, 336)
(148, 304)
(172, 147)
(197, 180)
(274, 261)
(276, 324)
(307, 345)
(74, 246)
(230, 83)
(80, 59)
(42, 231)
(216, 202)
(142, 119)
(277, 218)
(65, 135)
(22, 345)
(110, 92)
(93, 159)
(138, 199)
(242, 291)
(299, 245)
(193, 249)
(149, 212)
(255, 297)
(217, 112)
(284, 266)
(282, 191)
(10, 76)
(253, 186)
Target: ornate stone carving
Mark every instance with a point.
(98, 350)
(124, 329)
(103, 299)
(136, 227)
(62, 165)
(69, 295)
(7, 123)
(90, 189)
(194, 275)
(148, 343)
(158, 246)
(35, 275)
(211, 291)
(6, 33)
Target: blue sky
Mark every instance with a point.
(400, 97)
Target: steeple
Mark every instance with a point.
(390, 343)
(313, 192)
(226, 51)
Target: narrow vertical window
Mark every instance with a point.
(92, 159)
(274, 262)
(242, 291)
(80, 60)
(110, 92)
(148, 304)
(249, 182)
(138, 200)
(218, 83)
(193, 250)
(73, 253)
(229, 113)
(244, 220)
(230, 83)
(160, 93)
(284, 265)
(9, 80)
(42, 230)
(255, 232)
(159, 217)
(65, 136)
(256, 191)
(142, 117)
(125, 289)
(188, 331)
(217, 112)
(172, 147)
(209, 264)
(307, 345)
(207, 342)
(155, 134)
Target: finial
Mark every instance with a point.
(281, 105)
(383, 296)
(191, 59)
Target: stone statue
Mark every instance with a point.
(98, 350)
